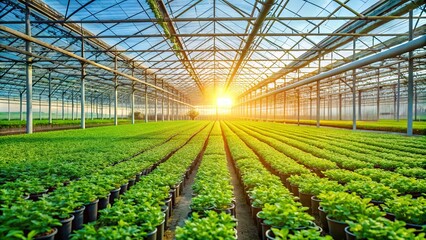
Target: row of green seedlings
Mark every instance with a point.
(349, 211)
(276, 212)
(69, 206)
(55, 162)
(143, 211)
(212, 213)
(349, 154)
(405, 185)
(360, 187)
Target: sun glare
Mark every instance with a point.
(224, 102)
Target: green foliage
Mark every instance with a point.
(371, 189)
(262, 195)
(382, 228)
(192, 114)
(342, 206)
(408, 209)
(315, 186)
(345, 176)
(213, 226)
(286, 214)
(305, 234)
(119, 232)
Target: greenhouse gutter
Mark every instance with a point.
(392, 52)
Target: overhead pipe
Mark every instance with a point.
(392, 52)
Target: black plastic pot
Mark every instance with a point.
(270, 235)
(115, 194)
(50, 236)
(254, 211)
(314, 205)
(37, 196)
(160, 230)
(390, 216)
(336, 228)
(152, 235)
(323, 219)
(349, 234)
(305, 200)
(77, 222)
(65, 229)
(295, 190)
(165, 210)
(131, 183)
(123, 188)
(103, 202)
(264, 228)
(415, 226)
(168, 202)
(138, 177)
(174, 195)
(91, 211)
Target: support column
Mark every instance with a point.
(155, 99)
(72, 105)
(398, 95)
(415, 101)
(359, 104)
(168, 107)
(29, 71)
(340, 106)
(63, 106)
(354, 89)
(318, 93)
(39, 107)
(410, 84)
(162, 101)
(8, 107)
(21, 115)
(146, 102)
(378, 96)
(115, 93)
(298, 107)
(50, 97)
(83, 91)
(132, 97)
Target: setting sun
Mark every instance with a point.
(224, 102)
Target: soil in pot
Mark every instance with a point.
(91, 211)
(65, 229)
(336, 228)
(77, 222)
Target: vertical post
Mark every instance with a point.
(354, 89)
(310, 103)
(115, 93)
(63, 106)
(155, 98)
(168, 106)
(132, 96)
(340, 106)
(275, 107)
(415, 101)
(398, 95)
(8, 107)
(29, 71)
(91, 106)
(72, 104)
(50, 97)
(39, 107)
(378, 96)
(102, 106)
(284, 105)
(410, 84)
(109, 106)
(359, 104)
(318, 93)
(146, 102)
(21, 117)
(82, 89)
(394, 101)
(298, 107)
(162, 101)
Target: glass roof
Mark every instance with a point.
(216, 45)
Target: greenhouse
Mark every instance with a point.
(212, 119)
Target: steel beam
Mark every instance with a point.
(410, 84)
(50, 98)
(29, 70)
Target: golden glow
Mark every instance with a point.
(224, 102)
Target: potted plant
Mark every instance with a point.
(380, 228)
(120, 231)
(304, 234)
(369, 189)
(34, 221)
(408, 209)
(341, 207)
(212, 226)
